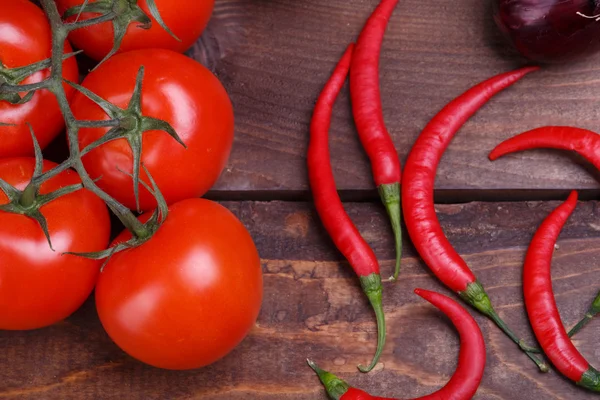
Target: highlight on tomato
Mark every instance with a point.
(177, 90)
(189, 295)
(186, 19)
(25, 40)
(39, 286)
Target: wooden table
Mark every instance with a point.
(273, 56)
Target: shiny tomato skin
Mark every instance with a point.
(189, 295)
(38, 286)
(25, 38)
(178, 90)
(186, 19)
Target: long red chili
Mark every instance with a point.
(541, 305)
(329, 206)
(584, 142)
(368, 116)
(471, 359)
(417, 198)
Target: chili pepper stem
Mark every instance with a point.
(334, 386)
(579, 326)
(476, 296)
(390, 196)
(372, 287)
(591, 313)
(590, 379)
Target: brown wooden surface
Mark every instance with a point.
(314, 308)
(275, 55)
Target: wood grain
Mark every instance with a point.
(274, 56)
(313, 308)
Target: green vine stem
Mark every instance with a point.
(121, 13)
(121, 124)
(60, 31)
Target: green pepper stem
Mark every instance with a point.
(390, 196)
(583, 322)
(476, 296)
(372, 287)
(590, 380)
(334, 386)
(589, 315)
(529, 351)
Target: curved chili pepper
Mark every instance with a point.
(471, 359)
(417, 197)
(582, 141)
(368, 116)
(330, 208)
(586, 143)
(541, 304)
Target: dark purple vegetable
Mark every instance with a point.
(550, 30)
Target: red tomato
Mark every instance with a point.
(189, 295)
(185, 18)
(38, 286)
(175, 89)
(25, 38)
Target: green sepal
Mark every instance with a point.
(98, 7)
(156, 14)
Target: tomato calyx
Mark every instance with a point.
(10, 79)
(139, 237)
(130, 124)
(121, 13)
(29, 201)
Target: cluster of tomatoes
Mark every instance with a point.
(190, 293)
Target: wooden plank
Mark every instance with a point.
(313, 307)
(275, 55)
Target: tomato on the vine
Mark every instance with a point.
(187, 296)
(178, 90)
(26, 39)
(185, 18)
(38, 286)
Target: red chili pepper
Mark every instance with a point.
(417, 197)
(582, 141)
(541, 305)
(368, 115)
(471, 359)
(329, 206)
